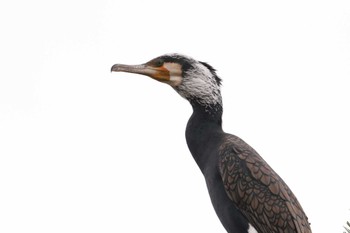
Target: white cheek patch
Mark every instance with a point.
(175, 73)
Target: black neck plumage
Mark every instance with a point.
(207, 113)
(204, 131)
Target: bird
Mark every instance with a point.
(248, 196)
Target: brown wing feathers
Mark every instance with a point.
(261, 195)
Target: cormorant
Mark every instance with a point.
(247, 194)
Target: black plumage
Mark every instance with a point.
(245, 191)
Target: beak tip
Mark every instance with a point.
(112, 68)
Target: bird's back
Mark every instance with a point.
(257, 190)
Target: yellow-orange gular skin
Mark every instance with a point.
(160, 74)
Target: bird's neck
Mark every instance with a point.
(203, 132)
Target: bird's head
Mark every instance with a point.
(194, 80)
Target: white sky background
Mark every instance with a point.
(84, 150)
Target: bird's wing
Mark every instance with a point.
(261, 195)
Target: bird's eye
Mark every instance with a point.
(159, 63)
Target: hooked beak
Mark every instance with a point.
(158, 73)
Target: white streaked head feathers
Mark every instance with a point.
(200, 84)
